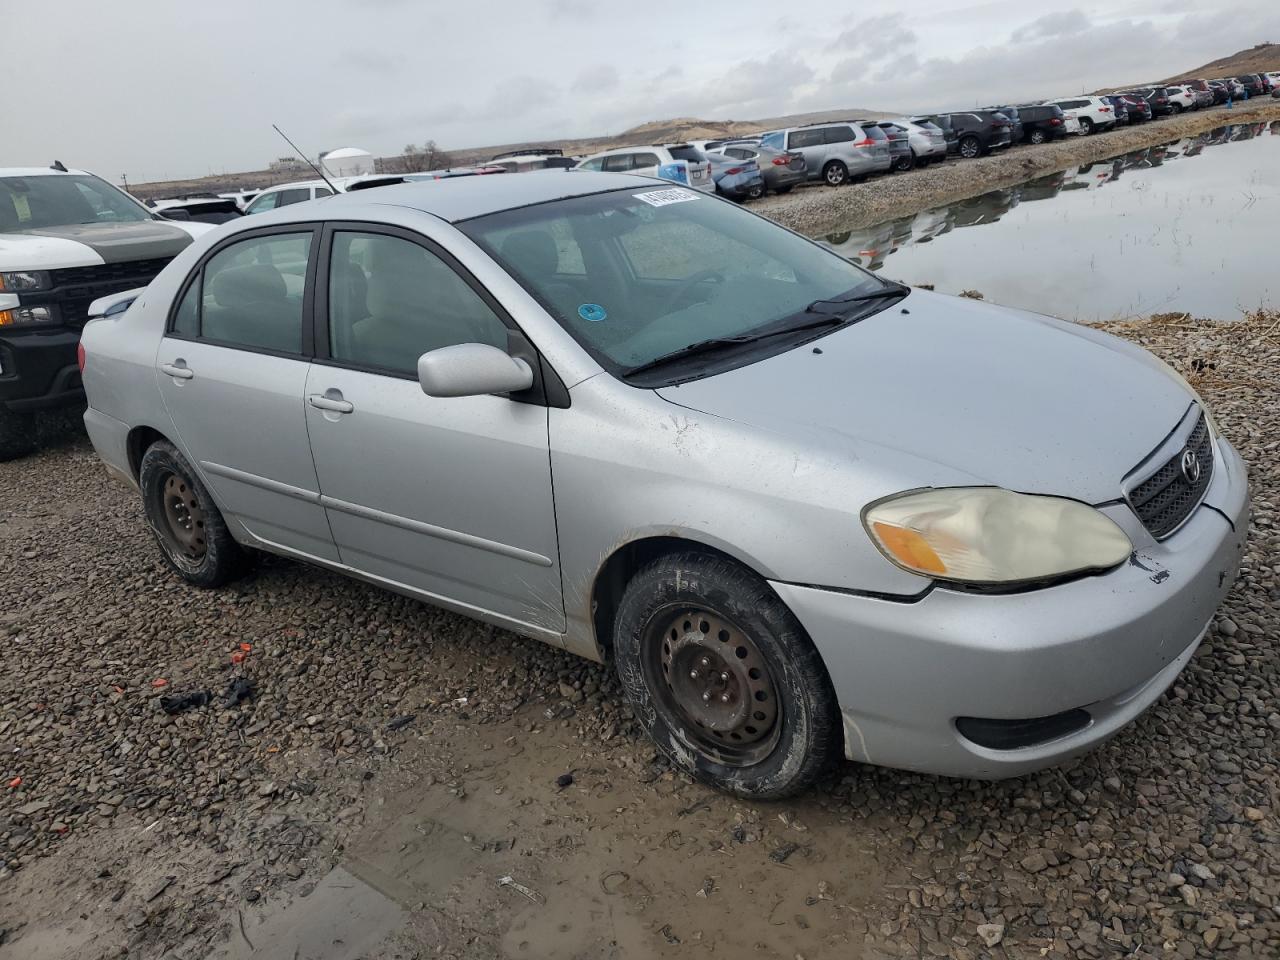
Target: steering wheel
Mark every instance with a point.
(685, 285)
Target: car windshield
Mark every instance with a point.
(638, 274)
(59, 200)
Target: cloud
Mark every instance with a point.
(1066, 23)
(601, 78)
(369, 61)
(878, 36)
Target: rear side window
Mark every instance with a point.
(252, 293)
(642, 160)
(595, 163)
(805, 138)
(845, 135)
(618, 163)
(390, 301)
(293, 196)
(692, 154)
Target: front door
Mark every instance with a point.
(232, 371)
(450, 497)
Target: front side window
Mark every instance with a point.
(391, 301)
(265, 202)
(252, 293)
(661, 269)
(805, 138)
(57, 200)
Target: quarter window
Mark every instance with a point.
(391, 300)
(252, 293)
(186, 320)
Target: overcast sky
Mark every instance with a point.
(164, 89)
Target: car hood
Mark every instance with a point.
(84, 244)
(970, 391)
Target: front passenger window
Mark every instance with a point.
(391, 300)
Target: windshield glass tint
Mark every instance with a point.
(636, 274)
(57, 200)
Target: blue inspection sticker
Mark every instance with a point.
(592, 312)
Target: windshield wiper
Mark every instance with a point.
(715, 344)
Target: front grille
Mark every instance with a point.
(108, 272)
(1167, 497)
(74, 288)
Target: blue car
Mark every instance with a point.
(734, 178)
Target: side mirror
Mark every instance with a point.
(472, 370)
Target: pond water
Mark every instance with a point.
(1191, 226)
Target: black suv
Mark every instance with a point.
(75, 238)
(1042, 122)
(1157, 98)
(978, 132)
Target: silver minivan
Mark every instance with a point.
(834, 152)
(800, 509)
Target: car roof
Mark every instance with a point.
(40, 172)
(462, 198)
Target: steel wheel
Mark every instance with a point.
(715, 683)
(184, 518)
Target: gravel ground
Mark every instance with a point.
(126, 831)
(816, 208)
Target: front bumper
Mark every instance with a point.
(38, 368)
(904, 672)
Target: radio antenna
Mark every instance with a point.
(318, 170)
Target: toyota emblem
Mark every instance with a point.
(1191, 466)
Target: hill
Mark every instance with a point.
(1261, 58)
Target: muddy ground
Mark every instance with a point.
(816, 208)
(395, 763)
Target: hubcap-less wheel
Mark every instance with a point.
(969, 149)
(1037, 136)
(717, 684)
(836, 174)
(184, 519)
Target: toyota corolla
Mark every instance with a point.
(801, 510)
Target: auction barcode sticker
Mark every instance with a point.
(661, 198)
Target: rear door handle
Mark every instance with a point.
(333, 404)
(177, 369)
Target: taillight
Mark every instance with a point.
(868, 142)
(1104, 109)
(733, 171)
(781, 161)
(80, 356)
(1055, 121)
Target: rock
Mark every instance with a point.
(991, 933)
(1034, 862)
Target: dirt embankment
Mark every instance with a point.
(819, 208)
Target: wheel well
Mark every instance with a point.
(140, 438)
(617, 571)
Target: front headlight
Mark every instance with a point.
(24, 280)
(990, 535)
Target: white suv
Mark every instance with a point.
(681, 162)
(1093, 113)
(1182, 97)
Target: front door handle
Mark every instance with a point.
(177, 369)
(328, 401)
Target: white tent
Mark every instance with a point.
(347, 162)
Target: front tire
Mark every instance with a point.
(835, 174)
(17, 434)
(723, 677)
(193, 538)
(970, 148)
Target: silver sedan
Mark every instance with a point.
(800, 509)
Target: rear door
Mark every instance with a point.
(232, 369)
(448, 497)
(812, 145)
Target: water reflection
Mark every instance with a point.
(1141, 206)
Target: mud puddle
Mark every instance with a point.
(1184, 226)
(486, 849)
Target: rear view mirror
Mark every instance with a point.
(472, 370)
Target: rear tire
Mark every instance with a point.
(767, 724)
(1037, 137)
(755, 193)
(906, 163)
(17, 434)
(1086, 126)
(835, 174)
(193, 538)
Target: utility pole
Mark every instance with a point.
(124, 179)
